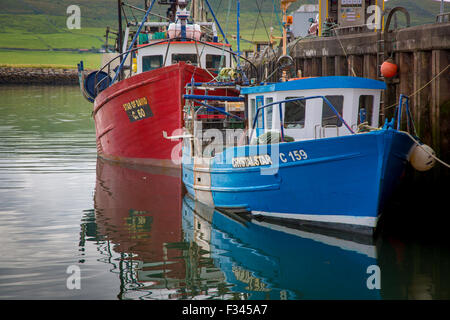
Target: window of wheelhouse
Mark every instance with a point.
(151, 62)
(294, 113)
(329, 118)
(213, 61)
(365, 109)
(254, 107)
(185, 57)
(269, 113)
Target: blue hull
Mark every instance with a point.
(344, 180)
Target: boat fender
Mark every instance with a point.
(90, 83)
(421, 157)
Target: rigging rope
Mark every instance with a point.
(276, 14)
(226, 32)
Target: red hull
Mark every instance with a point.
(131, 115)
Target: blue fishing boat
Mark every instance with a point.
(309, 150)
(311, 154)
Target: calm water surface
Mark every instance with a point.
(133, 234)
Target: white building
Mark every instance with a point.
(301, 19)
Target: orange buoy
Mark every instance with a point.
(389, 68)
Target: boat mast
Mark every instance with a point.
(194, 10)
(238, 26)
(119, 33)
(198, 10)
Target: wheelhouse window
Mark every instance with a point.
(151, 62)
(185, 57)
(329, 118)
(365, 109)
(254, 107)
(213, 61)
(269, 113)
(294, 114)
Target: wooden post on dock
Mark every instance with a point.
(440, 94)
(327, 66)
(316, 67)
(340, 66)
(370, 66)
(421, 99)
(355, 66)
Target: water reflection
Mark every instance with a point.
(137, 215)
(47, 174)
(264, 260)
(164, 245)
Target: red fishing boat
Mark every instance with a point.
(131, 116)
(138, 93)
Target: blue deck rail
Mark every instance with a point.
(404, 100)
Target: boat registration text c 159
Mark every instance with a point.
(138, 109)
(293, 156)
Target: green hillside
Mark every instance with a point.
(39, 25)
(421, 11)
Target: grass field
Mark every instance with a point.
(43, 32)
(52, 59)
(40, 32)
(46, 35)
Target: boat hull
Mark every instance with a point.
(343, 181)
(131, 115)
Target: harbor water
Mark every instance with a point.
(76, 227)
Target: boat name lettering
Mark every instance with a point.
(293, 156)
(252, 161)
(138, 109)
